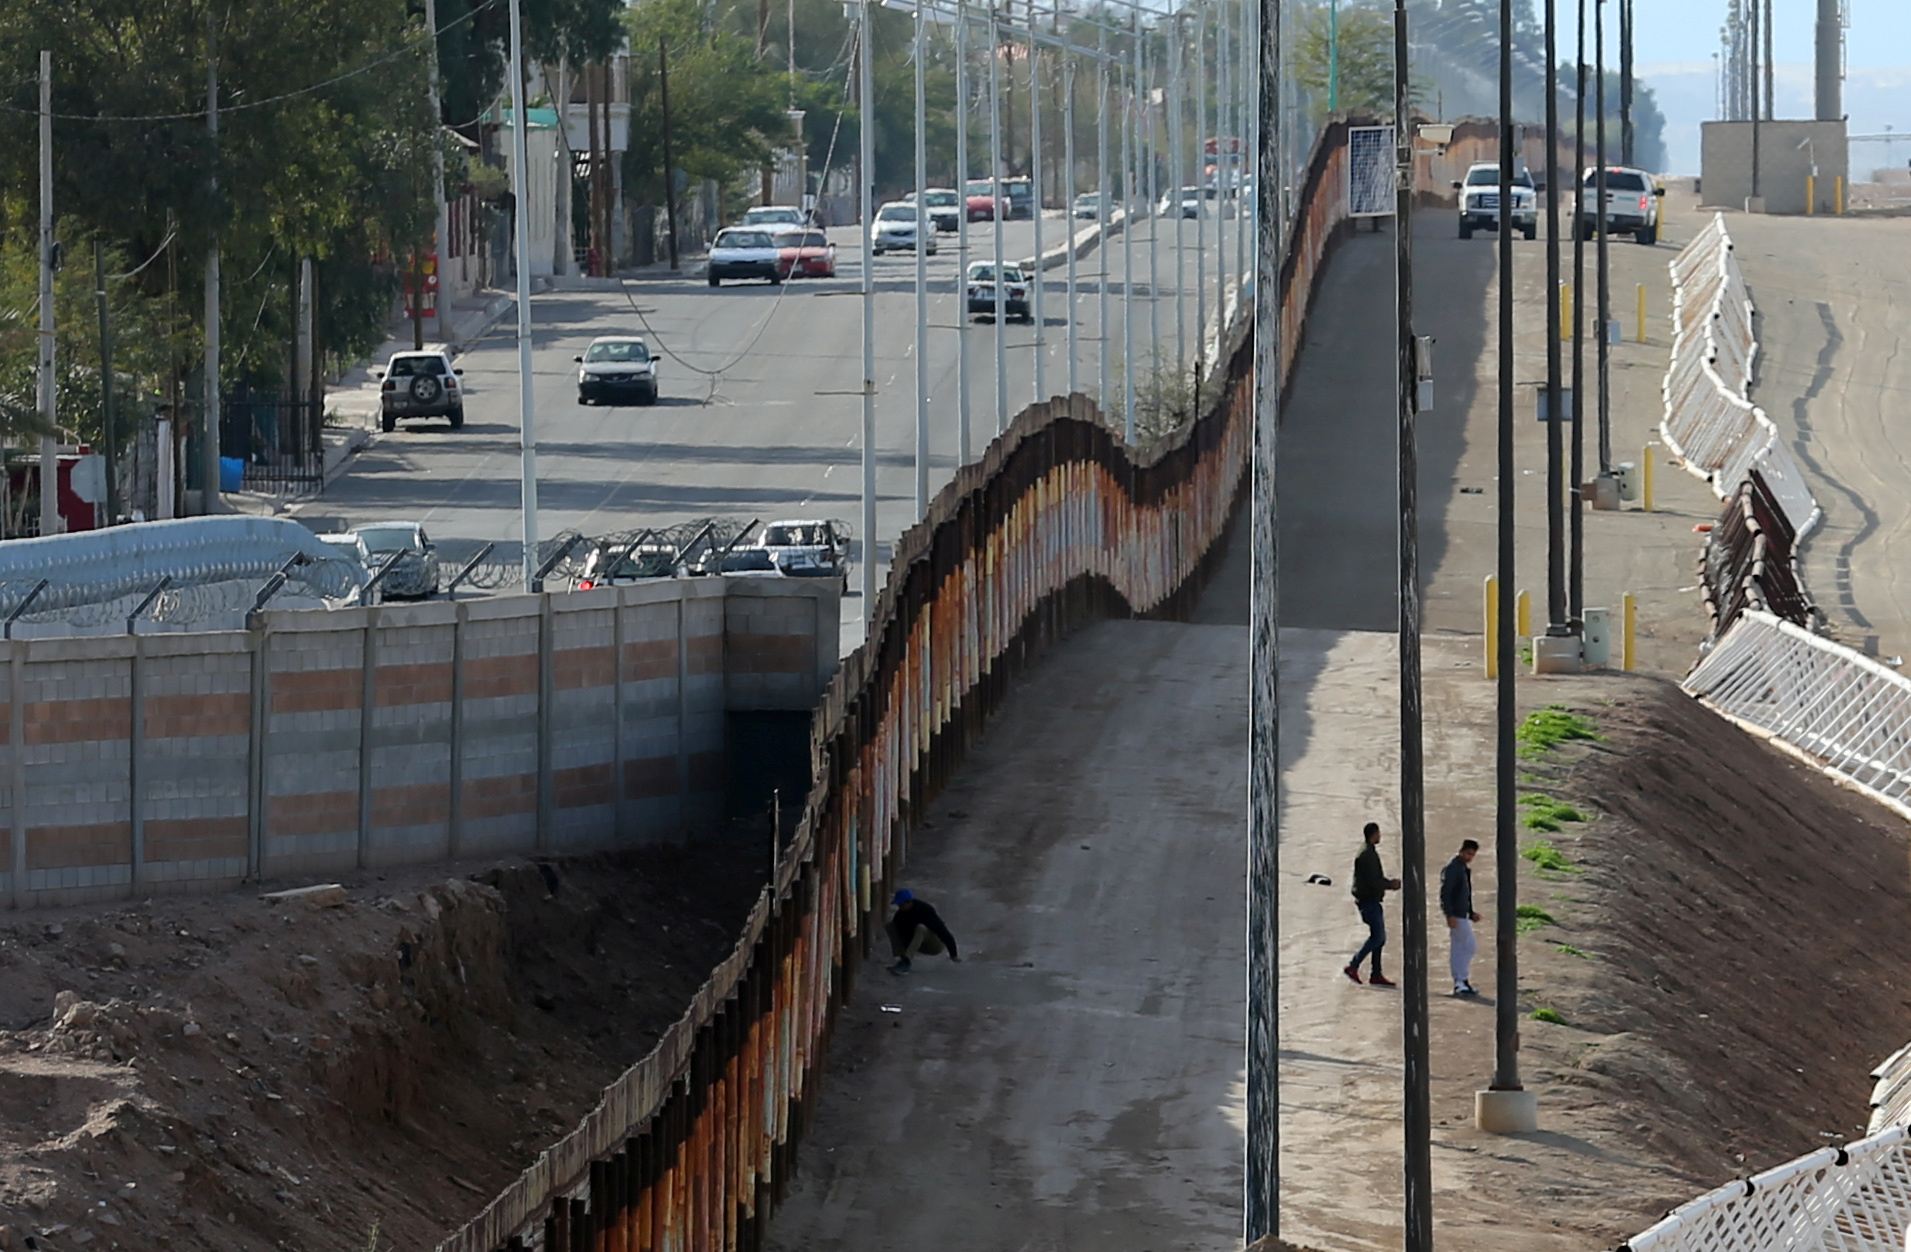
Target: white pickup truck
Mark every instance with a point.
(1480, 201)
(1632, 204)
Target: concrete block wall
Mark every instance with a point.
(324, 741)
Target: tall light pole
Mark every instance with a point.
(865, 172)
(1035, 200)
(49, 390)
(963, 436)
(1177, 158)
(1201, 223)
(1576, 536)
(1068, 210)
(996, 209)
(1223, 104)
(925, 231)
(1131, 142)
(209, 497)
(1605, 271)
(1105, 208)
(527, 403)
(1153, 167)
(1556, 609)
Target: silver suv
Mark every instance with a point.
(1632, 204)
(1480, 201)
(419, 384)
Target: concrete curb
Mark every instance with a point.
(1081, 243)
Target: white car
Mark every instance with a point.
(1632, 204)
(981, 291)
(745, 252)
(899, 229)
(615, 366)
(775, 216)
(1088, 204)
(419, 384)
(1187, 202)
(808, 548)
(944, 205)
(1480, 200)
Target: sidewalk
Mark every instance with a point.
(354, 397)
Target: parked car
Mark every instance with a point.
(613, 566)
(1480, 200)
(1183, 202)
(808, 548)
(1632, 204)
(898, 229)
(744, 252)
(615, 367)
(414, 560)
(945, 207)
(981, 200)
(1020, 193)
(736, 563)
(1015, 285)
(806, 254)
(774, 215)
(1088, 204)
(419, 384)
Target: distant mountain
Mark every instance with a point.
(1874, 99)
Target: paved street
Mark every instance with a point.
(747, 424)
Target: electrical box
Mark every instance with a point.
(1628, 475)
(1596, 643)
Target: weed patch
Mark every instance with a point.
(1545, 813)
(1547, 728)
(1549, 1015)
(1547, 858)
(1530, 917)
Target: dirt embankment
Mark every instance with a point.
(1727, 942)
(222, 1073)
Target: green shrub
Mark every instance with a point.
(1545, 813)
(1570, 950)
(1531, 917)
(1547, 728)
(1549, 1015)
(1546, 858)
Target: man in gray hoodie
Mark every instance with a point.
(1456, 901)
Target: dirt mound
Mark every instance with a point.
(224, 1072)
(1731, 933)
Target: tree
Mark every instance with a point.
(1365, 55)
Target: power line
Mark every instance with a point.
(410, 45)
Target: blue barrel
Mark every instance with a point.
(232, 473)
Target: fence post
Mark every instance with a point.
(618, 797)
(1492, 607)
(683, 717)
(17, 766)
(454, 802)
(135, 754)
(256, 799)
(1645, 477)
(1630, 612)
(367, 701)
(545, 685)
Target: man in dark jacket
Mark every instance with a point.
(1371, 886)
(914, 928)
(1456, 901)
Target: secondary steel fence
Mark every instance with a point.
(1851, 1199)
(1058, 525)
(1714, 428)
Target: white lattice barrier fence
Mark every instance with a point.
(1851, 1199)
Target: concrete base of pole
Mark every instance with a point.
(1556, 654)
(1506, 1112)
(1755, 204)
(1603, 491)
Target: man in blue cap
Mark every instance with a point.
(914, 928)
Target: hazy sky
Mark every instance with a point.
(1688, 30)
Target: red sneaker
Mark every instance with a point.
(1381, 980)
(1352, 973)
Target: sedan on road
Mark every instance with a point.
(1088, 204)
(745, 252)
(945, 207)
(899, 229)
(981, 201)
(615, 367)
(774, 216)
(1188, 202)
(806, 254)
(982, 291)
(413, 574)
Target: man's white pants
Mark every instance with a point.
(1463, 945)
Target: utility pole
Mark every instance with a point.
(49, 390)
(1068, 209)
(925, 230)
(1105, 207)
(1769, 67)
(1130, 148)
(1417, 1114)
(1625, 83)
(1149, 70)
(440, 228)
(1751, 83)
(996, 212)
(1604, 259)
(865, 171)
(1177, 158)
(1556, 612)
(209, 496)
(1201, 223)
(963, 433)
(670, 169)
(527, 401)
(1036, 286)
(106, 384)
(1576, 546)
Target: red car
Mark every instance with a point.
(805, 254)
(979, 202)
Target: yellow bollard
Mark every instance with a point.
(1523, 615)
(1810, 195)
(1631, 615)
(1838, 196)
(1645, 476)
(1492, 616)
(1642, 313)
(1565, 310)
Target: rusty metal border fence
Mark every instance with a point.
(1057, 526)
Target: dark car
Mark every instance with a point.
(616, 368)
(1020, 193)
